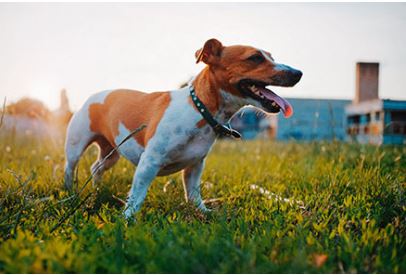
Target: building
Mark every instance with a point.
(313, 119)
(252, 123)
(370, 119)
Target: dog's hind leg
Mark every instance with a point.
(78, 138)
(73, 152)
(100, 166)
(191, 183)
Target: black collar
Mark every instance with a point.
(218, 128)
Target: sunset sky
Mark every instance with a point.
(87, 48)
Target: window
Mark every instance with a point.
(354, 119)
(377, 116)
(399, 116)
(396, 128)
(367, 118)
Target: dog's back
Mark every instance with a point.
(130, 107)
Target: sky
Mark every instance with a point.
(90, 47)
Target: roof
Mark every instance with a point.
(375, 105)
(394, 104)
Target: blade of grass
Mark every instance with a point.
(3, 111)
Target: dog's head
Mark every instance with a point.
(246, 72)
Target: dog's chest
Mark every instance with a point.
(196, 147)
(187, 152)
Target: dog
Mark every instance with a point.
(181, 125)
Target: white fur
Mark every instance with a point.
(278, 67)
(267, 56)
(130, 149)
(282, 67)
(78, 136)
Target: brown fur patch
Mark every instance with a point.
(132, 108)
(201, 123)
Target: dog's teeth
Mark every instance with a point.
(274, 104)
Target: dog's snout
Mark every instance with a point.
(287, 77)
(296, 75)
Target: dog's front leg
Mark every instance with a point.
(145, 172)
(191, 184)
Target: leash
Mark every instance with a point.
(219, 129)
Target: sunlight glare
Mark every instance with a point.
(48, 94)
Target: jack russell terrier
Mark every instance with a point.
(181, 125)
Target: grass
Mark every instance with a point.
(351, 217)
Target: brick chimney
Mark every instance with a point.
(367, 80)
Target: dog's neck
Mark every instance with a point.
(219, 97)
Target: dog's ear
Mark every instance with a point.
(210, 53)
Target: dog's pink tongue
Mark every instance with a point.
(285, 106)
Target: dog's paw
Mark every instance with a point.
(202, 207)
(129, 214)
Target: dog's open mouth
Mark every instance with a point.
(268, 99)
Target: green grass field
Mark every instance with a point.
(351, 217)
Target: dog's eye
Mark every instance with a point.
(256, 58)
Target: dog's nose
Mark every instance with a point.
(286, 76)
(295, 76)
